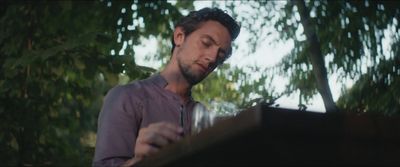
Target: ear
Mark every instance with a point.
(179, 36)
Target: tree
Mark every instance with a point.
(343, 28)
(230, 89)
(228, 86)
(316, 58)
(376, 91)
(347, 35)
(58, 59)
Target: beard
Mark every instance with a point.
(189, 75)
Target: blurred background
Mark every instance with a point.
(59, 58)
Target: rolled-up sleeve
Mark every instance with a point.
(118, 125)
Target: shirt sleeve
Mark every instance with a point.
(118, 126)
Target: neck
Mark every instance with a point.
(176, 82)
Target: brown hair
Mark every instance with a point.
(192, 21)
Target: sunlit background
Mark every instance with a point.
(58, 59)
(268, 52)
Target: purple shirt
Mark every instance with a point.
(127, 108)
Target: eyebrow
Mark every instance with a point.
(212, 39)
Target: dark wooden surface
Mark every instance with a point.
(274, 136)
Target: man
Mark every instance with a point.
(140, 118)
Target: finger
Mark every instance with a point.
(171, 136)
(170, 131)
(153, 137)
(159, 134)
(176, 128)
(143, 150)
(157, 139)
(169, 126)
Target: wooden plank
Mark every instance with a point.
(263, 135)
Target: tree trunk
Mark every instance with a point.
(316, 57)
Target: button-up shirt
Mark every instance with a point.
(127, 108)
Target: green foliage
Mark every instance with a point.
(347, 30)
(233, 88)
(58, 59)
(351, 36)
(376, 91)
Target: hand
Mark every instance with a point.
(154, 137)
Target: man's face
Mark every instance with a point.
(201, 51)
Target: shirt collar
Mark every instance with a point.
(161, 82)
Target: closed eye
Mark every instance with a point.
(207, 41)
(207, 44)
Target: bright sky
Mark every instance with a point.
(265, 56)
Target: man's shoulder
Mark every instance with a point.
(132, 86)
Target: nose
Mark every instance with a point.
(211, 56)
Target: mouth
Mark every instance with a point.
(203, 67)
